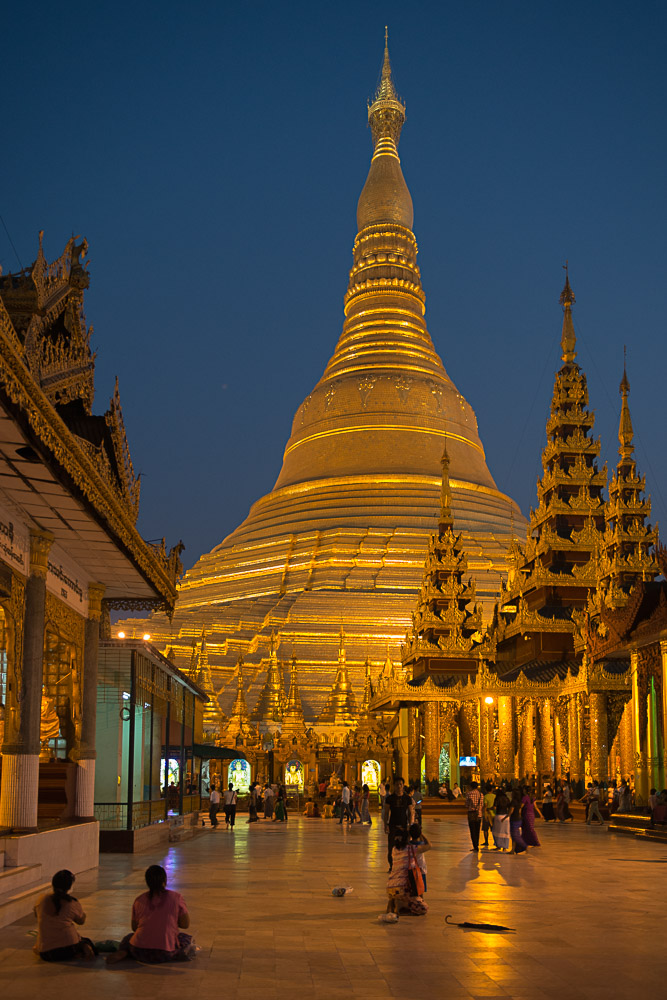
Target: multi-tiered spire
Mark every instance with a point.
(627, 550)
(446, 631)
(293, 724)
(239, 725)
(214, 718)
(557, 572)
(272, 700)
(341, 704)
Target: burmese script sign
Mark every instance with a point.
(14, 541)
(65, 580)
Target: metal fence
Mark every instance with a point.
(114, 815)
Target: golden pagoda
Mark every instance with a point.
(293, 722)
(239, 728)
(214, 717)
(343, 534)
(271, 703)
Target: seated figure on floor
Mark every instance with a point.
(57, 912)
(157, 916)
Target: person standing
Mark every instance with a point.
(518, 843)
(268, 802)
(252, 804)
(400, 811)
(213, 806)
(418, 799)
(594, 804)
(528, 819)
(230, 806)
(366, 806)
(548, 805)
(501, 822)
(475, 807)
(345, 804)
(489, 811)
(384, 792)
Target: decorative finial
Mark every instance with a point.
(386, 113)
(446, 518)
(568, 338)
(625, 430)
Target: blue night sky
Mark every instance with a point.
(213, 154)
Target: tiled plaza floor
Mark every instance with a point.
(588, 908)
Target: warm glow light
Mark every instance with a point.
(146, 636)
(121, 635)
(488, 700)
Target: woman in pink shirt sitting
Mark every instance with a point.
(157, 916)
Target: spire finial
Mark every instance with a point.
(446, 519)
(568, 338)
(625, 430)
(386, 113)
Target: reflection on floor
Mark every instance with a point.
(588, 919)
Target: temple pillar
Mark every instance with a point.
(20, 759)
(597, 708)
(486, 767)
(653, 738)
(432, 739)
(414, 745)
(574, 738)
(85, 772)
(639, 727)
(544, 737)
(506, 737)
(558, 748)
(527, 740)
(625, 741)
(663, 711)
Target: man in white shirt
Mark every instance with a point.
(345, 804)
(230, 806)
(213, 805)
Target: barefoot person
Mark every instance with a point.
(157, 916)
(58, 940)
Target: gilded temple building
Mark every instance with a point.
(70, 553)
(560, 683)
(341, 539)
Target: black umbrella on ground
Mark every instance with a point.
(477, 927)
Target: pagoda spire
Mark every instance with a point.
(239, 720)
(341, 705)
(627, 552)
(213, 715)
(446, 518)
(271, 702)
(568, 340)
(293, 723)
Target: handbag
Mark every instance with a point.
(415, 877)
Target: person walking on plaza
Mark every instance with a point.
(501, 822)
(594, 804)
(624, 797)
(418, 799)
(400, 815)
(475, 807)
(230, 806)
(518, 843)
(489, 812)
(57, 912)
(528, 819)
(345, 809)
(158, 918)
(356, 803)
(268, 802)
(548, 805)
(366, 806)
(383, 792)
(213, 806)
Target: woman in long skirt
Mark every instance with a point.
(548, 805)
(518, 843)
(252, 804)
(501, 823)
(366, 806)
(528, 819)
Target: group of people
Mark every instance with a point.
(159, 920)
(505, 813)
(355, 804)
(406, 846)
(269, 801)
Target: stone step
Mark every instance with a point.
(14, 879)
(14, 905)
(180, 833)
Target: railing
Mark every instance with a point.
(114, 815)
